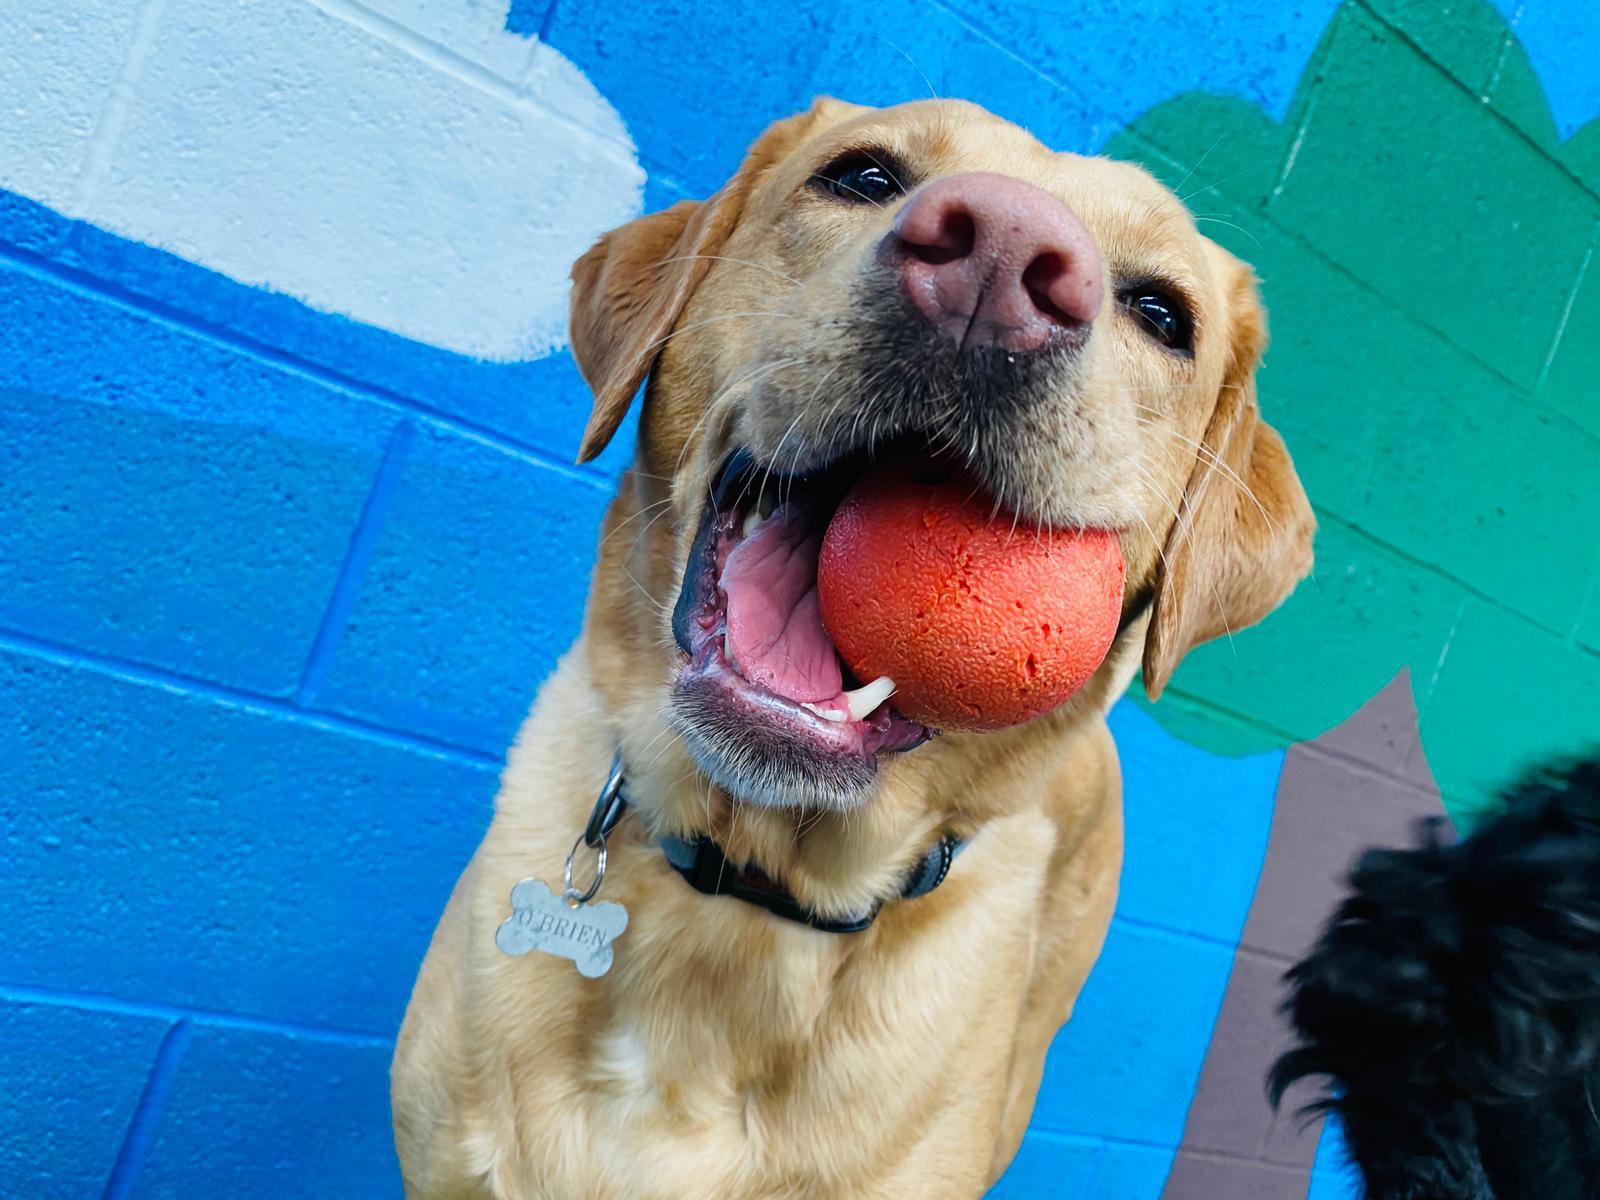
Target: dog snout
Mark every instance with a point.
(994, 261)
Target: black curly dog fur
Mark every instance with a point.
(1454, 1003)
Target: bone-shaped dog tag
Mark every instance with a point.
(544, 921)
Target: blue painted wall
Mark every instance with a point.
(276, 586)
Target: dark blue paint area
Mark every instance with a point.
(1332, 1176)
(30, 228)
(192, 499)
(1129, 1172)
(72, 1080)
(1196, 836)
(256, 1115)
(528, 17)
(475, 585)
(178, 850)
(1196, 828)
(876, 56)
(540, 405)
(697, 82)
(164, 499)
(1120, 64)
(1560, 39)
(1139, 1032)
(1051, 1167)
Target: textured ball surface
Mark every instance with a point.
(979, 625)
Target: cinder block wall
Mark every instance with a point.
(279, 575)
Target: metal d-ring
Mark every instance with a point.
(609, 807)
(571, 894)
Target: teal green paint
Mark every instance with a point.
(1404, 180)
(1540, 693)
(1426, 248)
(1463, 37)
(1571, 384)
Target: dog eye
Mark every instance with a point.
(1162, 316)
(860, 179)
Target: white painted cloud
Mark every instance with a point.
(405, 163)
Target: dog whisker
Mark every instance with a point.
(671, 744)
(1208, 455)
(794, 462)
(773, 461)
(1217, 141)
(626, 521)
(711, 405)
(743, 262)
(638, 537)
(1220, 221)
(1214, 185)
(659, 606)
(649, 349)
(914, 66)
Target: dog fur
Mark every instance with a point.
(735, 1055)
(1454, 1004)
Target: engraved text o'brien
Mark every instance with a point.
(581, 932)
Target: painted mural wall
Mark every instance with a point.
(289, 532)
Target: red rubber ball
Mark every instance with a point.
(980, 624)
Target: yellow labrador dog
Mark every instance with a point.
(814, 996)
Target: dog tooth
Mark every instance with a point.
(751, 519)
(867, 697)
(825, 714)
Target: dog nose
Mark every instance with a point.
(994, 261)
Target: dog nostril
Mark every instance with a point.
(957, 234)
(1041, 275)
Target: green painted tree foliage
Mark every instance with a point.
(1424, 242)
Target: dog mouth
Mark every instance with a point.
(765, 704)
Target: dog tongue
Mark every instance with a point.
(775, 633)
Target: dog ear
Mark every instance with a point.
(628, 292)
(630, 289)
(1242, 539)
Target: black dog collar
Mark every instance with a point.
(706, 868)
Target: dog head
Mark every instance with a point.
(926, 281)
(1452, 1004)
(1467, 965)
